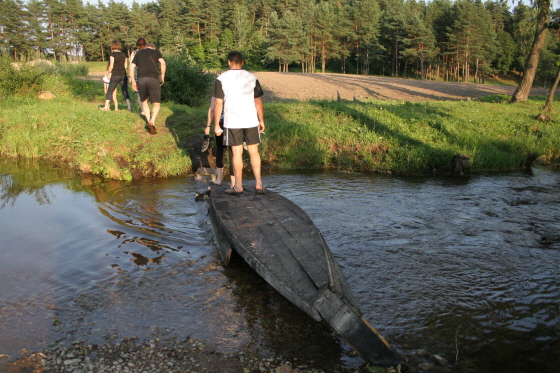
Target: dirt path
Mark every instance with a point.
(302, 87)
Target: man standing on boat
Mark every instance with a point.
(239, 93)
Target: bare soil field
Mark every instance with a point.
(302, 87)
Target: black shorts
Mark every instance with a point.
(149, 88)
(236, 136)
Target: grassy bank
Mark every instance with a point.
(395, 137)
(409, 138)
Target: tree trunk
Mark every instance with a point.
(476, 72)
(524, 87)
(550, 97)
(323, 58)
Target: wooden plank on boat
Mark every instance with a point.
(283, 245)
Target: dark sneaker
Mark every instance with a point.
(206, 141)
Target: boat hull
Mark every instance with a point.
(283, 245)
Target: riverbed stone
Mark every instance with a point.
(72, 361)
(442, 362)
(426, 366)
(46, 95)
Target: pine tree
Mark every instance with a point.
(143, 24)
(393, 31)
(194, 17)
(36, 34)
(439, 14)
(419, 43)
(13, 28)
(326, 19)
(212, 21)
(472, 38)
(364, 16)
(166, 37)
(505, 52)
(288, 40)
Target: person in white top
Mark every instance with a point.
(239, 93)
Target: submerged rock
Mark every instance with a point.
(442, 362)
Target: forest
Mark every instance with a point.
(460, 40)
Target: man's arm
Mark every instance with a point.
(218, 104)
(260, 113)
(163, 66)
(210, 116)
(110, 67)
(131, 70)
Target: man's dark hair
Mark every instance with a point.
(235, 57)
(141, 42)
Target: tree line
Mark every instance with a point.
(460, 40)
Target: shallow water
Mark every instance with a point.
(466, 268)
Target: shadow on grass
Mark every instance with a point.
(490, 152)
(401, 145)
(186, 125)
(85, 90)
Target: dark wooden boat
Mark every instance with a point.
(283, 245)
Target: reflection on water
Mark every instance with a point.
(464, 268)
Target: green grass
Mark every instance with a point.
(97, 66)
(378, 136)
(407, 138)
(112, 144)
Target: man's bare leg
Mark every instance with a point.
(140, 104)
(155, 112)
(255, 164)
(237, 152)
(146, 109)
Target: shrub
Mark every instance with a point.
(186, 82)
(19, 79)
(72, 70)
(24, 78)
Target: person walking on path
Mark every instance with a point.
(220, 147)
(117, 73)
(150, 80)
(106, 82)
(140, 44)
(239, 94)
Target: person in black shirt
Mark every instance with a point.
(150, 80)
(140, 44)
(117, 73)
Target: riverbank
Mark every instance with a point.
(187, 356)
(394, 137)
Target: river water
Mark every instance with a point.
(465, 268)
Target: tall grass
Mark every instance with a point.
(408, 138)
(115, 145)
